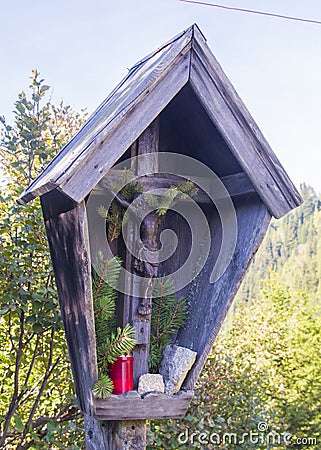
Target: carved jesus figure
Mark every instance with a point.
(147, 262)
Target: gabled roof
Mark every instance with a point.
(140, 97)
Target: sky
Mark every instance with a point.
(84, 48)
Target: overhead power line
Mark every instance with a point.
(253, 11)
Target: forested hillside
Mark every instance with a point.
(292, 248)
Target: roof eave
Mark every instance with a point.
(239, 130)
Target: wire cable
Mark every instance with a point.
(253, 11)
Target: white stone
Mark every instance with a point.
(150, 382)
(177, 361)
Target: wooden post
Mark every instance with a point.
(66, 226)
(148, 142)
(115, 435)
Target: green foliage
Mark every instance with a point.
(127, 190)
(104, 297)
(37, 403)
(103, 387)
(111, 342)
(179, 192)
(264, 369)
(119, 343)
(114, 217)
(168, 315)
(265, 365)
(292, 247)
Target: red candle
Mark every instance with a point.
(121, 373)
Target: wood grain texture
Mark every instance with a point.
(97, 434)
(209, 303)
(237, 184)
(114, 435)
(139, 98)
(240, 131)
(153, 405)
(137, 117)
(66, 228)
(147, 143)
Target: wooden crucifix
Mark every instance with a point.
(137, 311)
(148, 211)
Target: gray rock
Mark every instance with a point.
(177, 361)
(150, 382)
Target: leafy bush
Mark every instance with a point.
(37, 403)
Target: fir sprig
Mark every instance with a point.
(179, 192)
(111, 342)
(127, 190)
(103, 387)
(104, 296)
(118, 343)
(168, 315)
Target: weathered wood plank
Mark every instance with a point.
(138, 116)
(237, 184)
(238, 128)
(66, 228)
(148, 143)
(132, 406)
(209, 303)
(80, 154)
(97, 434)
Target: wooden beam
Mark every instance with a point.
(128, 429)
(114, 435)
(66, 227)
(148, 143)
(237, 185)
(103, 152)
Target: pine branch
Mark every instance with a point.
(119, 343)
(171, 322)
(105, 279)
(159, 312)
(168, 315)
(103, 387)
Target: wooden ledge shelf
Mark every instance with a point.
(133, 406)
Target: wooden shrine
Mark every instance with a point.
(177, 100)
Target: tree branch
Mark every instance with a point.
(49, 370)
(14, 400)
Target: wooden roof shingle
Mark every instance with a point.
(140, 97)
